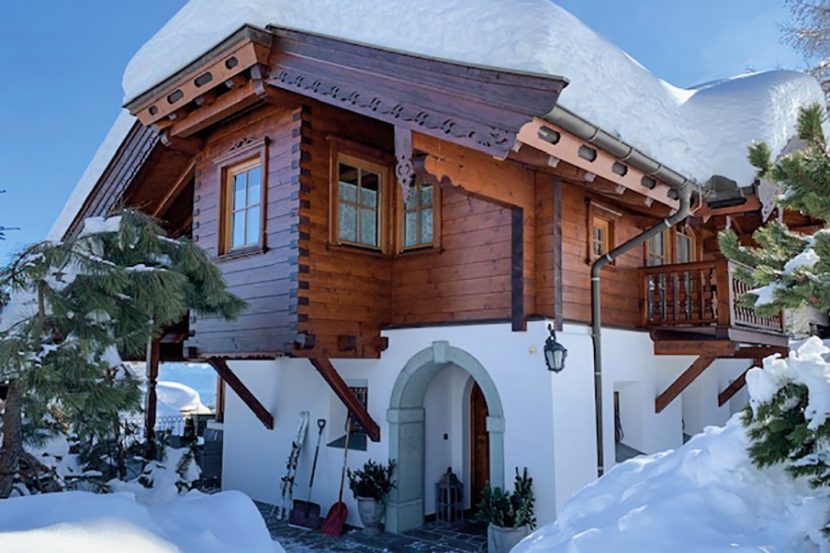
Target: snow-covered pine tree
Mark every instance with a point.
(71, 307)
(788, 269)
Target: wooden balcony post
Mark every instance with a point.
(723, 287)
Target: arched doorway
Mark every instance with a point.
(405, 507)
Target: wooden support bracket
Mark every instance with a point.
(682, 382)
(517, 263)
(342, 391)
(736, 385)
(222, 369)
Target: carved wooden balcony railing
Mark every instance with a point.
(696, 296)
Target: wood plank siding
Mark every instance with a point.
(265, 278)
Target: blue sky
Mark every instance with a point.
(62, 63)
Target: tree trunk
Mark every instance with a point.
(12, 447)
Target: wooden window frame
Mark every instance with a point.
(670, 246)
(400, 221)
(606, 227)
(362, 157)
(604, 213)
(236, 160)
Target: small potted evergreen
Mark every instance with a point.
(370, 486)
(509, 515)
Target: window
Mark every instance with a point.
(418, 215)
(684, 246)
(656, 253)
(242, 207)
(601, 236)
(359, 194)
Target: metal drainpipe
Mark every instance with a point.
(684, 196)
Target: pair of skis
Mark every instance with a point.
(283, 508)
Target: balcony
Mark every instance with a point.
(692, 301)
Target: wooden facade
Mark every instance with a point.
(519, 207)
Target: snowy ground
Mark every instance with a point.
(75, 522)
(705, 496)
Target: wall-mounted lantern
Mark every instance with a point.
(555, 353)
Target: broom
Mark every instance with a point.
(336, 518)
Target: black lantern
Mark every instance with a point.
(555, 353)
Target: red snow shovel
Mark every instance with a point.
(305, 513)
(333, 525)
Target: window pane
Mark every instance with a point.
(426, 195)
(239, 191)
(368, 227)
(426, 225)
(253, 230)
(348, 192)
(369, 186)
(238, 229)
(348, 176)
(347, 223)
(254, 183)
(410, 229)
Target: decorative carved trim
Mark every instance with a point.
(404, 169)
(241, 148)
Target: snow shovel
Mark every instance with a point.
(305, 513)
(333, 525)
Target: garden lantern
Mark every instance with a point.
(449, 498)
(555, 353)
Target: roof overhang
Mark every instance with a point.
(478, 107)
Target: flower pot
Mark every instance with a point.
(502, 540)
(371, 513)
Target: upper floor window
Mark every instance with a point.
(672, 246)
(656, 251)
(684, 246)
(359, 197)
(601, 236)
(242, 206)
(418, 216)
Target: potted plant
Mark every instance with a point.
(509, 515)
(370, 486)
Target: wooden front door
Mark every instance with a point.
(480, 445)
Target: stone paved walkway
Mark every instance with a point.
(432, 538)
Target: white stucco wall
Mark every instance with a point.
(549, 418)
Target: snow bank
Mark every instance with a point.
(699, 132)
(175, 398)
(705, 496)
(71, 522)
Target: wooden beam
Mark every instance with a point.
(558, 286)
(715, 348)
(682, 382)
(224, 371)
(517, 262)
(226, 105)
(759, 352)
(752, 204)
(176, 189)
(735, 386)
(151, 401)
(342, 391)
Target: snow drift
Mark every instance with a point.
(707, 495)
(70, 522)
(699, 132)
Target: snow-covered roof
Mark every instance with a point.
(698, 132)
(100, 161)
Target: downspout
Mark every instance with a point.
(684, 193)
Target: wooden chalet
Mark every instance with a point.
(350, 192)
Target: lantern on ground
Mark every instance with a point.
(449, 498)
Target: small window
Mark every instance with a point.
(242, 206)
(656, 253)
(418, 215)
(685, 250)
(601, 236)
(359, 194)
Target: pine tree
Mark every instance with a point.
(71, 307)
(788, 269)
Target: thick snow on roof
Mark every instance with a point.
(106, 151)
(698, 132)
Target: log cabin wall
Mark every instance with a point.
(265, 277)
(620, 282)
(344, 293)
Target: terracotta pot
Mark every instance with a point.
(371, 513)
(502, 540)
